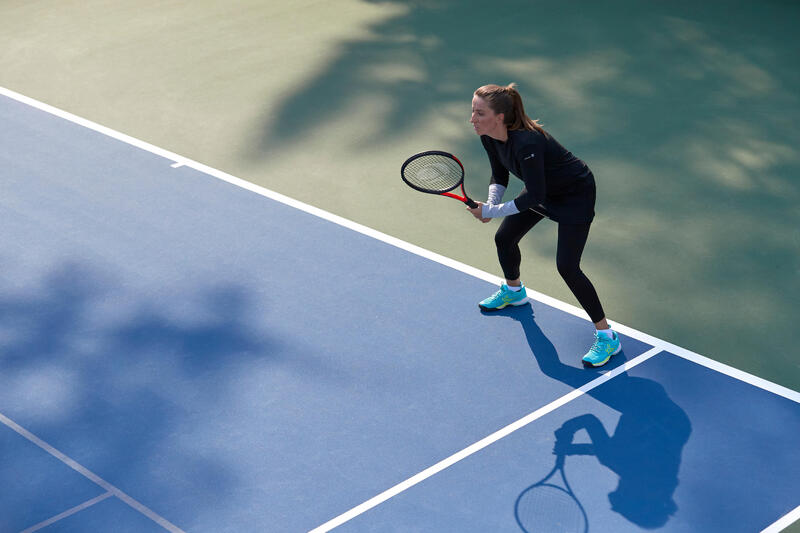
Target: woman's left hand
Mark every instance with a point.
(477, 212)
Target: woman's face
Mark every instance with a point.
(484, 120)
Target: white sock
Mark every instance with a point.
(514, 289)
(607, 332)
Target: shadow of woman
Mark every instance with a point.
(645, 447)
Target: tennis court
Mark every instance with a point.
(159, 364)
(221, 310)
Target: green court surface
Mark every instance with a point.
(687, 113)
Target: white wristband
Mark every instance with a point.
(499, 210)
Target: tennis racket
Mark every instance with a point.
(436, 172)
(545, 506)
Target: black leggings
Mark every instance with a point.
(571, 240)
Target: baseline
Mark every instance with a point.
(785, 521)
(179, 161)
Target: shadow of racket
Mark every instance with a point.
(546, 507)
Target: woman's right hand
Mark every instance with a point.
(477, 212)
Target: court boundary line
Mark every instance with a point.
(69, 512)
(91, 476)
(483, 443)
(785, 521)
(179, 161)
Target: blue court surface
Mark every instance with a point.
(182, 351)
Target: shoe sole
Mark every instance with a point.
(604, 361)
(521, 302)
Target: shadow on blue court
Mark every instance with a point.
(644, 449)
(147, 334)
(545, 354)
(108, 375)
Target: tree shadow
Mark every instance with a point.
(110, 378)
(645, 447)
(201, 346)
(683, 115)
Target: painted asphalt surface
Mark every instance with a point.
(197, 357)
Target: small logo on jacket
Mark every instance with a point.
(529, 157)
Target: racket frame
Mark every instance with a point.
(463, 198)
(545, 482)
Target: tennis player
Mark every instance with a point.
(557, 184)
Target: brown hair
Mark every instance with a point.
(507, 100)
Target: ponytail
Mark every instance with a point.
(508, 101)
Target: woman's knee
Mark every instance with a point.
(569, 270)
(505, 239)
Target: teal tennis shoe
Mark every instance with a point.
(602, 349)
(503, 298)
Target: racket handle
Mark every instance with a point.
(470, 203)
(560, 460)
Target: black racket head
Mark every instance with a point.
(432, 172)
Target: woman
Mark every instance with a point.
(557, 184)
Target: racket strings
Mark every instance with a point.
(433, 173)
(544, 508)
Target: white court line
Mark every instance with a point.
(85, 472)
(481, 444)
(388, 239)
(787, 520)
(67, 513)
(411, 248)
